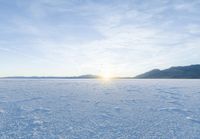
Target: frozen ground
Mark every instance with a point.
(93, 109)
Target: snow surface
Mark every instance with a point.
(93, 109)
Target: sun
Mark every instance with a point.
(106, 75)
(106, 72)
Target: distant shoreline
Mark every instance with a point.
(77, 78)
(180, 72)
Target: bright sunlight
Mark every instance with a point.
(106, 75)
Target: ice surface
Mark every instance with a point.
(93, 109)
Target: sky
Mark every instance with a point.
(75, 37)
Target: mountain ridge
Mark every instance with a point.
(86, 76)
(175, 72)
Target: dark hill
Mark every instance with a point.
(188, 72)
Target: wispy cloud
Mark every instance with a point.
(80, 37)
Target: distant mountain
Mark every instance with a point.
(180, 72)
(88, 76)
(192, 71)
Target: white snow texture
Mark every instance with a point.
(93, 109)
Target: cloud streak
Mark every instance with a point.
(126, 37)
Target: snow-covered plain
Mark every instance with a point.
(94, 109)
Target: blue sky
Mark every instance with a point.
(73, 37)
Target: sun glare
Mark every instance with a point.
(106, 76)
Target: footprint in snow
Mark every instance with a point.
(41, 109)
(105, 115)
(128, 101)
(174, 109)
(97, 103)
(85, 101)
(132, 90)
(193, 120)
(107, 93)
(117, 109)
(176, 103)
(28, 100)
